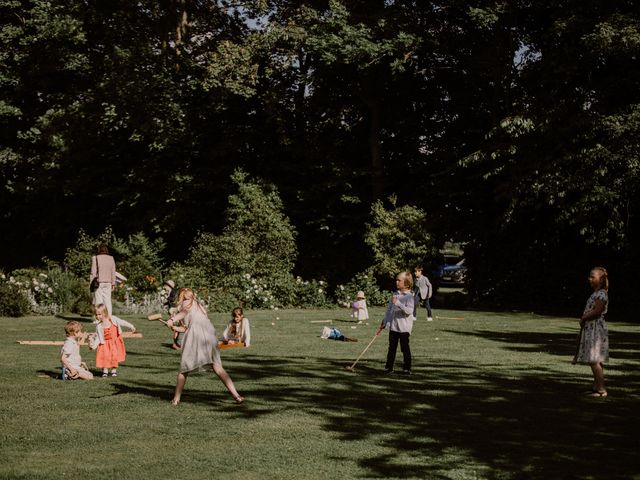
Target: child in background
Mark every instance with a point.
(332, 333)
(72, 365)
(593, 347)
(238, 330)
(359, 308)
(110, 352)
(422, 293)
(171, 292)
(399, 318)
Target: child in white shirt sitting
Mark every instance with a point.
(72, 365)
(238, 330)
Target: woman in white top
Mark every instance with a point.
(103, 267)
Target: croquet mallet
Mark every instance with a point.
(158, 317)
(365, 350)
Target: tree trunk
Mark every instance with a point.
(377, 167)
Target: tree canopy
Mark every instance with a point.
(512, 126)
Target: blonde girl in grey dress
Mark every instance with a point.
(593, 348)
(199, 345)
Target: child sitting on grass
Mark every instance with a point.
(238, 330)
(72, 365)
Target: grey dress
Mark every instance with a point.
(594, 339)
(200, 344)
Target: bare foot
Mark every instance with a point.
(239, 399)
(175, 402)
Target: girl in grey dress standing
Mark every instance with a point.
(199, 345)
(593, 348)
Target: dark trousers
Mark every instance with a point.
(421, 301)
(394, 338)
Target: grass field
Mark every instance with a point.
(493, 396)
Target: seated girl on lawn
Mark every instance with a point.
(238, 330)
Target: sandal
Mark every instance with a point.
(598, 393)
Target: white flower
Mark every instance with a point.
(321, 282)
(12, 280)
(43, 275)
(277, 318)
(36, 288)
(275, 308)
(319, 290)
(341, 287)
(2, 276)
(50, 290)
(247, 276)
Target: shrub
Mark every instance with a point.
(399, 238)
(138, 258)
(13, 301)
(258, 240)
(141, 304)
(365, 281)
(311, 294)
(77, 259)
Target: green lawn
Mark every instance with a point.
(493, 396)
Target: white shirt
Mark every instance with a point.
(71, 349)
(246, 333)
(399, 316)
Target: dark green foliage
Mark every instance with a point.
(137, 257)
(399, 238)
(512, 126)
(257, 248)
(13, 301)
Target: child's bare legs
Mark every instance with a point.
(598, 378)
(180, 381)
(226, 379)
(85, 374)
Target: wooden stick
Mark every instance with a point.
(226, 346)
(157, 317)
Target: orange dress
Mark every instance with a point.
(112, 351)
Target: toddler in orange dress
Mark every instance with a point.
(110, 350)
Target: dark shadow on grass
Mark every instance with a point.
(560, 344)
(55, 374)
(623, 345)
(507, 422)
(502, 422)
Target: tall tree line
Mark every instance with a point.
(513, 124)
